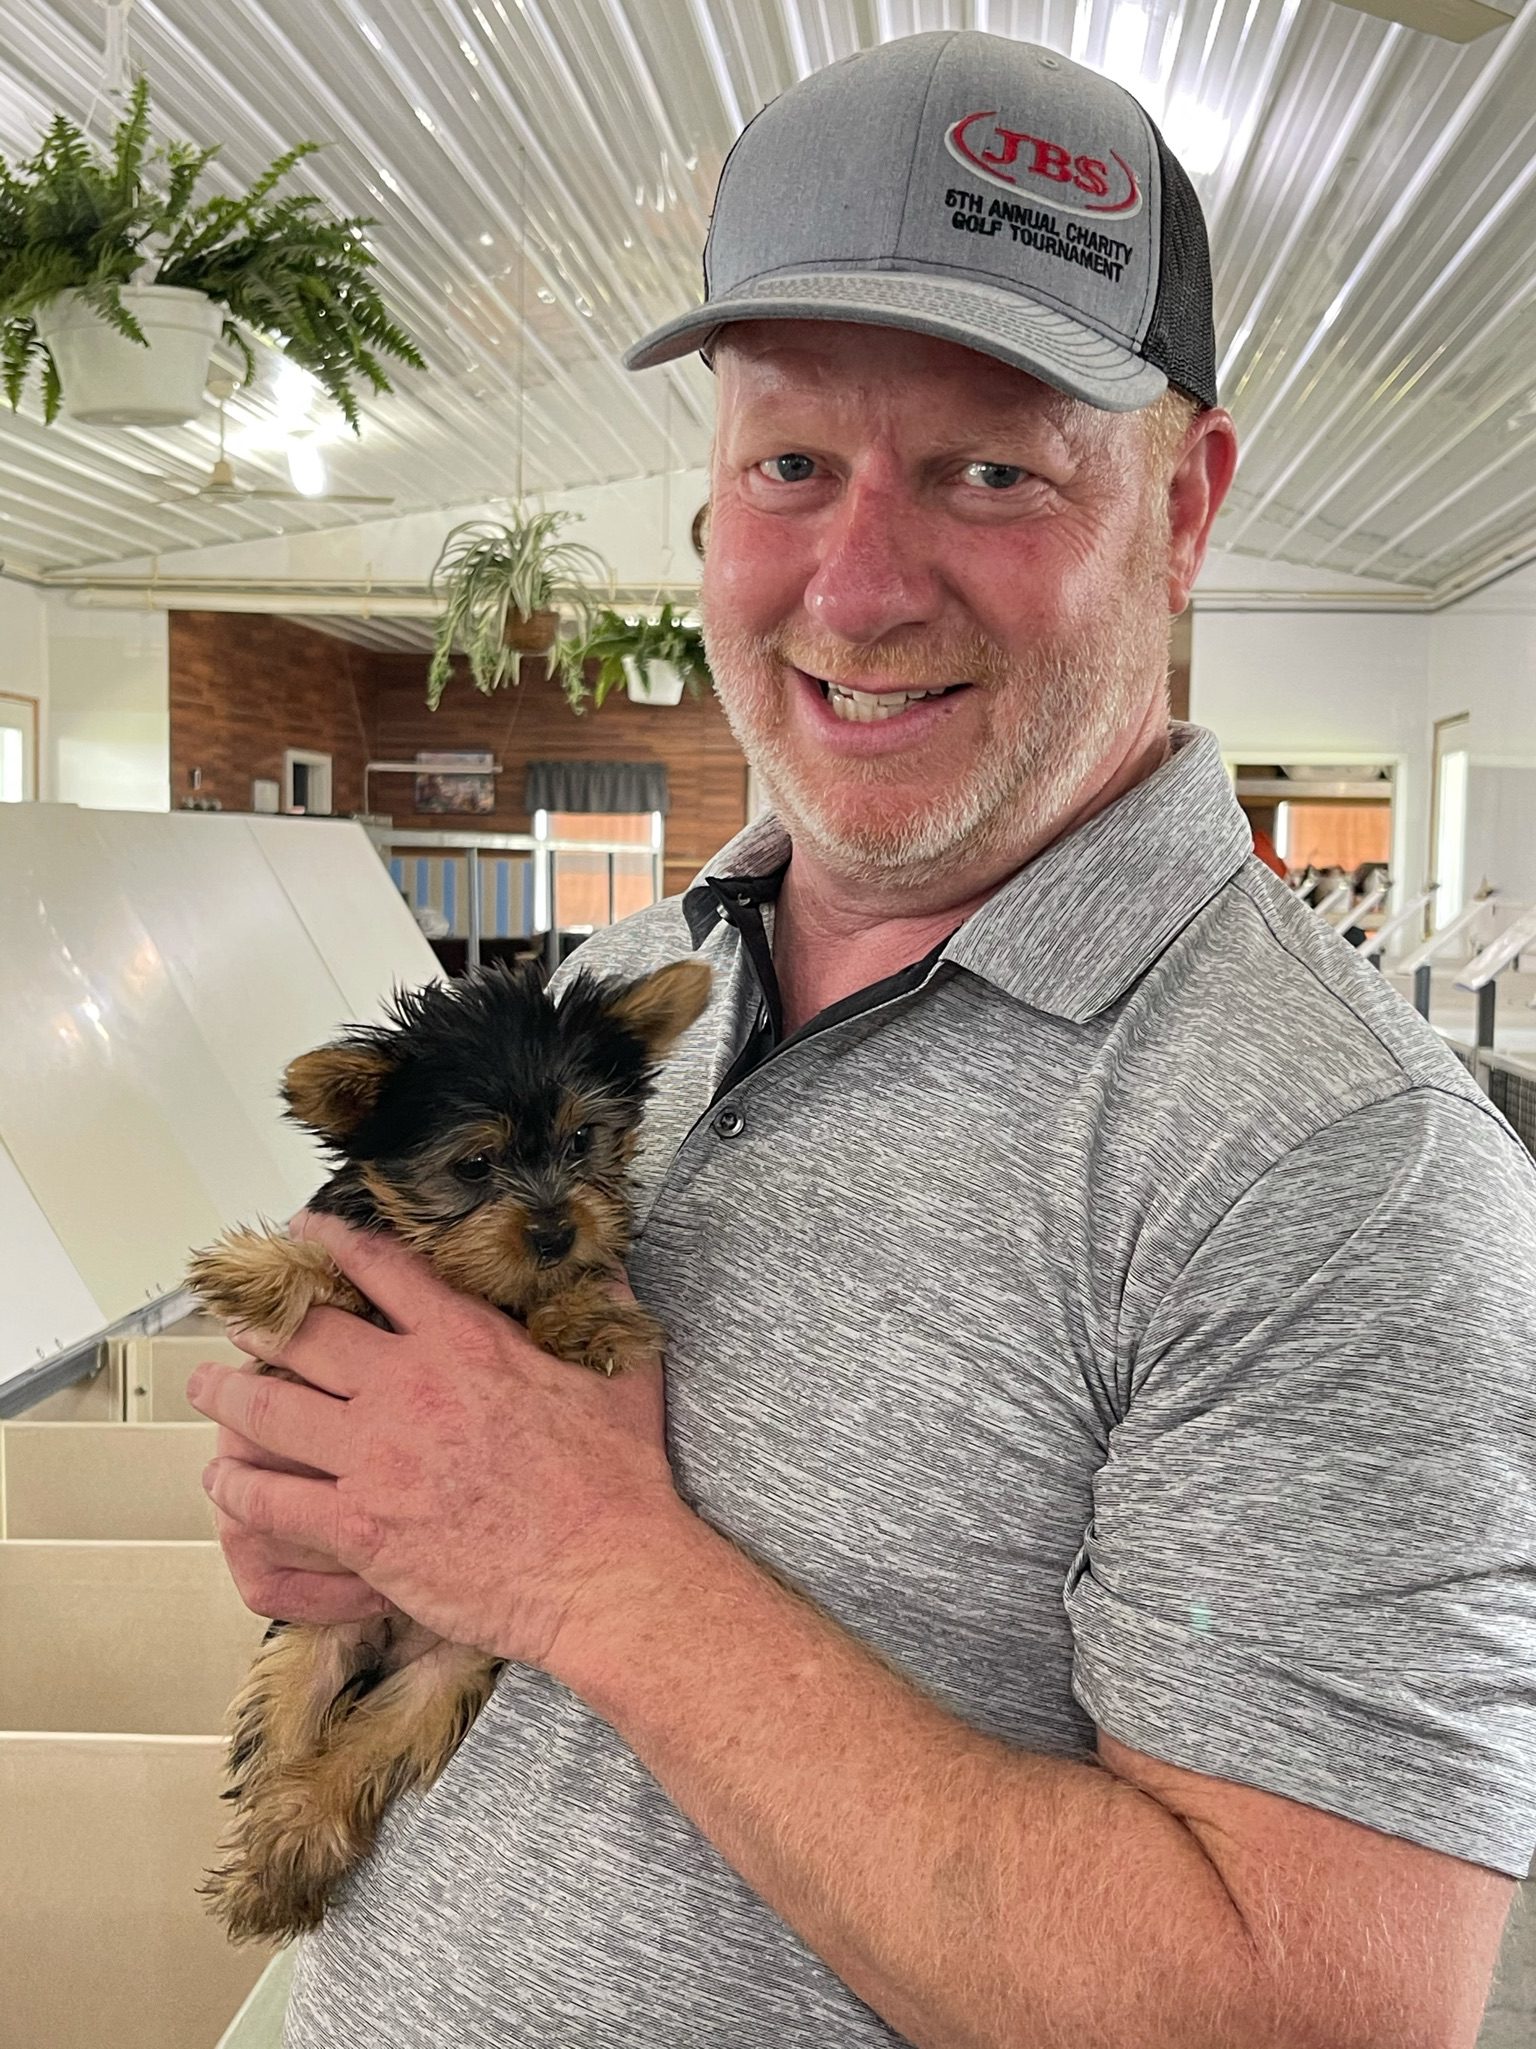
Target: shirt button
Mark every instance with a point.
(730, 1124)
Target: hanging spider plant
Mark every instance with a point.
(508, 589)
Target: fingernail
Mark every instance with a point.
(195, 1381)
(211, 1473)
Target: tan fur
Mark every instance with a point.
(334, 1088)
(267, 1281)
(311, 1798)
(334, 1721)
(662, 1007)
(587, 1326)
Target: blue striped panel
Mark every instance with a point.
(503, 899)
(451, 896)
(423, 893)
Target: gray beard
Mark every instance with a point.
(1080, 698)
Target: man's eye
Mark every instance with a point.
(995, 476)
(476, 1168)
(579, 1144)
(787, 469)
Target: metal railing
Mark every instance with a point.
(543, 853)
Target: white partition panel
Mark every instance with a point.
(157, 972)
(45, 1307)
(332, 871)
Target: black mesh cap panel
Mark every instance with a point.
(1181, 338)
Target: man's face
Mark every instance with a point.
(891, 512)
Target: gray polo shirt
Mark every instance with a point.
(1123, 1319)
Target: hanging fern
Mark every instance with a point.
(615, 640)
(72, 221)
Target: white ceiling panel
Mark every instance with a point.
(541, 176)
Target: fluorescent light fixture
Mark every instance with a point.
(306, 466)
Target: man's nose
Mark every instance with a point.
(875, 574)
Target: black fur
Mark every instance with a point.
(493, 1043)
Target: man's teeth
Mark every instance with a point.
(864, 707)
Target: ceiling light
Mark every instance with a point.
(1125, 47)
(1197, 137)
(306, 466)
(293, 393)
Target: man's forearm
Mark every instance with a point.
(974, 1895)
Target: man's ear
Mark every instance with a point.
(334, 1088)
(1200, 481)
(660, 1007)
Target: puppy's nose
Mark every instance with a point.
(550, 1241)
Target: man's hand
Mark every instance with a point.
(490, 1491)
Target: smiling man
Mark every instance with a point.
(1082, 1587)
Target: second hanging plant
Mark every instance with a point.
(509, 589)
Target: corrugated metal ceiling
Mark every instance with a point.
(1369, 190)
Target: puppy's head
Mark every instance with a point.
(492, 1129)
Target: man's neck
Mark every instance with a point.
(833, 937)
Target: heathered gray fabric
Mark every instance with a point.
(1133, 1326)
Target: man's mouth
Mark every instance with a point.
(867, 707)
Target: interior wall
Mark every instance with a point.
(1323, 686)
(1482, 660)
(107, 729)
(245, 687)
(706, 772)
(24, 659)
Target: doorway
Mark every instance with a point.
(307, 782)
(18, 748)
(1448, 820)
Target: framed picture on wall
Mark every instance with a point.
(460, 785)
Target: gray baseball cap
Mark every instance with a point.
(986, 191)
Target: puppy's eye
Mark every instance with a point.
(476, 1168)
(579, 1144)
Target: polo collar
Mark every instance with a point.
(1082, 922)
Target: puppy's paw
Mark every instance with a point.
(596, 1332)
(269, 1281)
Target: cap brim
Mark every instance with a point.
(1047, 344)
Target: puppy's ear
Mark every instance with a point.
(334, 1088)
(661, 1007)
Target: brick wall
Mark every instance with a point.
(706, 773)
(244, 686)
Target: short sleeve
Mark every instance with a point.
(1311, 1564)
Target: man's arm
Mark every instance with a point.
(981, 1897)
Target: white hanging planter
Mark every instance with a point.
(663, 682)
(108, 380)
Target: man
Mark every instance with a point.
(1086, 1588)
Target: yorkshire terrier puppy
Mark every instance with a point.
(493, 1131)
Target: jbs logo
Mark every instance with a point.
(1016, 159)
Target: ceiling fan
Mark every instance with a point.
(220, 483)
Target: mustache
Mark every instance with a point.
(922, 662)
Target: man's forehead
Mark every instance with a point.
(773, 359)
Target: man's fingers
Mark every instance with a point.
(317, 1597)
(387, 1272)
(276, 1504)
(230, 1444)
(298, 1423)
(331, 1349)
(253, 1559)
